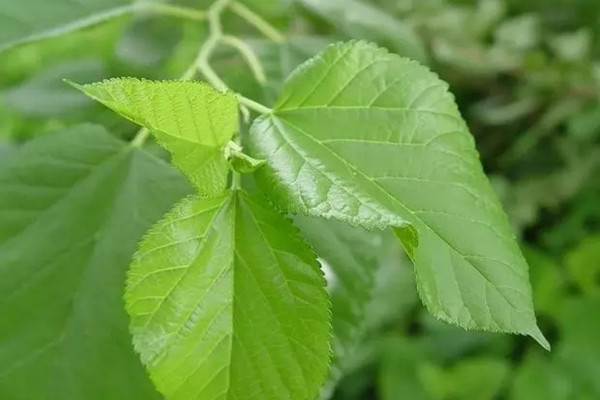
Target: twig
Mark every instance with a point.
(175, 11)
(257, 21)
(202, 61)
(251, 58)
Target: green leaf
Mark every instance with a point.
(45, 94)
(365, 283)
(27, 20)
(349, 256)
(547, 280)
(73, 205)
(579, 349)
(239, 161)
(280, 59)
(477, 378)
(149, 41)
(376, 140)
(359, 19)
(538, 378)
(398, 372)
(583, 266)
(192, 120)
(519, 33)
(228, 302)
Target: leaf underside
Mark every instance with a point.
(376, 140)
(72, 207)
(192, 120)
(228, 302)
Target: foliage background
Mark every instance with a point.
(526, 75)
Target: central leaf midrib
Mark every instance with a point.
(98, 170)
(68, 192)
(241, 203)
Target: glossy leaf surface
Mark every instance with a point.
(376, 140)
(228, 302)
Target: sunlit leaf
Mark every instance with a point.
(192, 120)
(376, 140)
(228, 302)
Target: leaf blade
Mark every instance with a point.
(192, 120)
(240, 268)
(63, 267)
(352, 138)
(33, 20)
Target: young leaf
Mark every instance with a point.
(228, 302)
(27, 20)
(376, 140)
(73, 205)
(192, 120)
(239, 161)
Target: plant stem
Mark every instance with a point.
(175, 11)
(257, 21)
(202, 61)
(214, 36)
(253, 105)
(140, 137)
(251, 58)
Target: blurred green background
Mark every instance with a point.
(526, 75)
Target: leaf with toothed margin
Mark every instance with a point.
(72, 207)
(228, 302)
(376, 140)
(192, 120)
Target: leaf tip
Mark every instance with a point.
(539, 337)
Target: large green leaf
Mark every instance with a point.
(228, 302)
(192, 120)
(376, 140)
(72, 207)
(26, 20)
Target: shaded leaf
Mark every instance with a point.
(579, 350)
(27, 20)
(358, 19)
(73, 206)
(45, 94)
(349, 257)
(583, 263)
